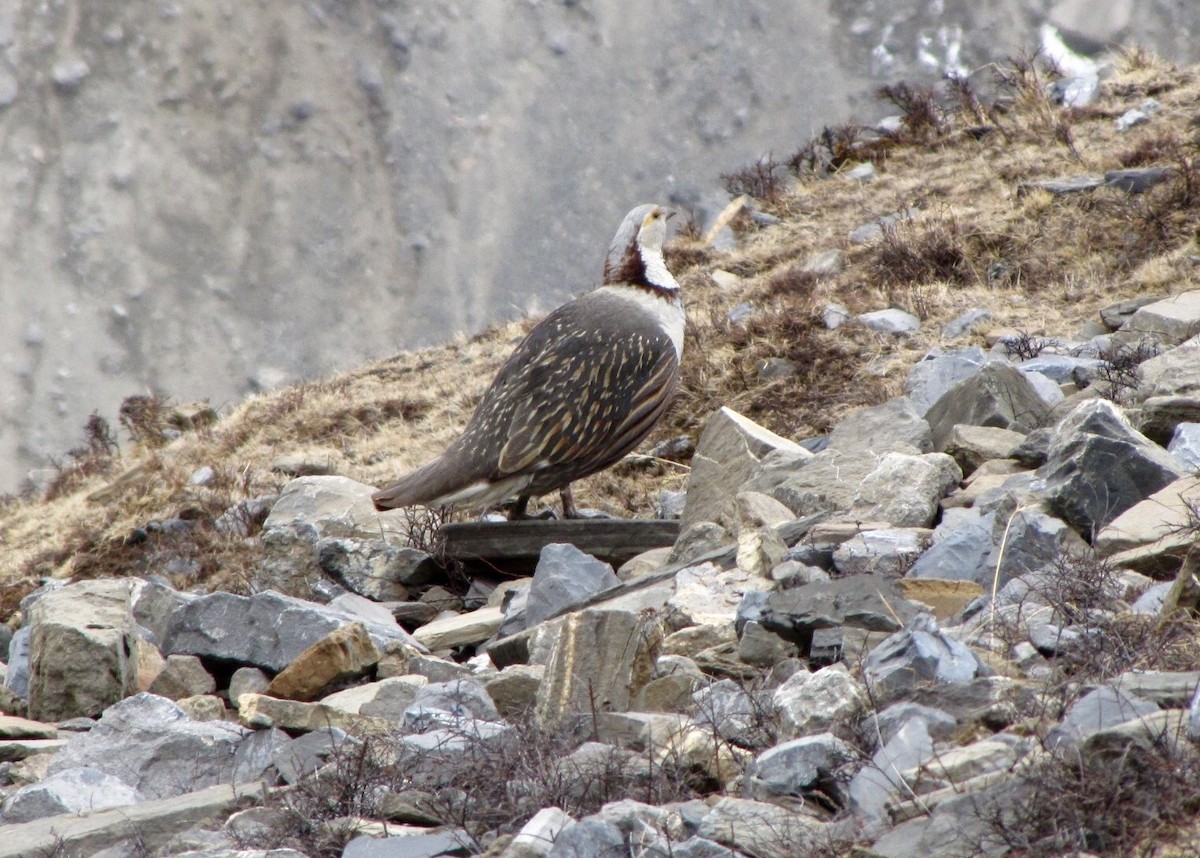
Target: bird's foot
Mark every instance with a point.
(568, 503)
(519, 511)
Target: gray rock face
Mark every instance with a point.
(599, 660)
(728, 453)
(1172, 319)
(309, 510)
(1185, 445)
(1099, 466)
(894, 426)
(440, 844)
(890, 321)
(590, 838)
(920, 653)
(182, 676)
(888, 551)
(149, 744)
(1099, 709)
(998, 395)
(372, 568)
(870, 788)
(16, 677)
(937, 372)
(442, 704)
(976, 545)
(267, 630)
(1063, 369)
(296, 758)
(82, 645)
(77, 790)
(565, 576)
(796, 767)
(872, 602)
(904, 490)
(812, 702)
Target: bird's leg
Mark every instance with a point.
(517, 512)
(568, 502)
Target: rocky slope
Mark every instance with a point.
(932, 590)
(207, 200)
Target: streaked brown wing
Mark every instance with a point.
(599, 402)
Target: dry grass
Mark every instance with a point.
(1037, 262)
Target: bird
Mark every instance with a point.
(582, 390)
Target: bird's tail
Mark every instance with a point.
(427, 485)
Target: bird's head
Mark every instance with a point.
(635, 254)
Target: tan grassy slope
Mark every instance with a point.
(975, 239)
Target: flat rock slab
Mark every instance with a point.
(149, 823)
(12, 727)
(267, 630)
(471, 628)
(19, 749)
(517, 545)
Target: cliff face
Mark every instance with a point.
(206, 198)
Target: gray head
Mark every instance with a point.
(635, 254)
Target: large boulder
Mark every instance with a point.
(728, 453)
(83, 647)
(149, 744)
(312, 509)
(998, 395)
(1172, 319)
(904, 490)
(599, 660)
(67, 791)
(1099, 466)
(267, 630)
(938, 372)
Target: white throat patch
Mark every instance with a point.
(656, 269)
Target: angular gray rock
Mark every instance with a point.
(890, 321)
(1172, 319)
(728, 453)
(373, 568)
(887, 551)
(971, 446)
(887, 723)
(447, 704)
(591, 837)
(599, 659)
(1064, 369)
(809, 703)
(904, 490)
(1185, 445)
(83, 649)
(894, 426)
(454, 843)
(76, 790)
(149, 744)
(760, 829)
(872, 602)
(182, 676)
(998, 395)
(267, 630)
(794, 768)
(1098, 466)
(874, 783)
(564, 577)
(297, 758)
(1008, 542)
(920, 653)
(313, 508)
(937, 372)
(965, 323)
(1099, 709)
(537, 836)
